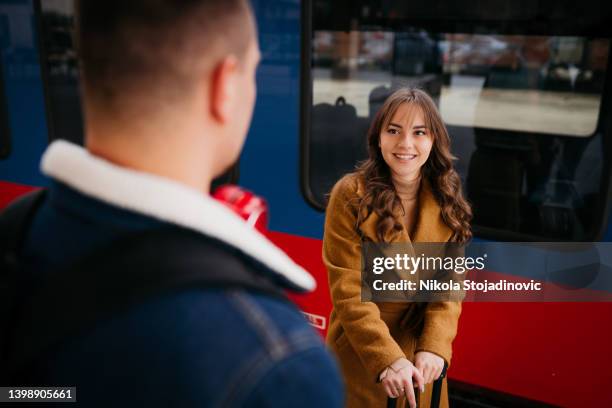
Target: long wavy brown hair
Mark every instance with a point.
(380, 194)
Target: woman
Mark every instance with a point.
(406, 191)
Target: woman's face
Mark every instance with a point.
(405, 142)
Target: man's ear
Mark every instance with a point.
(224, 88)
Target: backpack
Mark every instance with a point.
(35, 320)
(15, 220)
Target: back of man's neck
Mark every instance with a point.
(183, 165)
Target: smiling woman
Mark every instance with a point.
(405, 143)
(406, 191)
(408, 124)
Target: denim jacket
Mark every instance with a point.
(212, 347)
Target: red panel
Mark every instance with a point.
(558, 353)
(555, 352)
(307, 253)
(10, 191)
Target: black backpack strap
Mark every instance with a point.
(130, 271)
(15, 221)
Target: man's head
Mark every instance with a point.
(185, 62)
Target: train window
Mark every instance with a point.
(523, 105)
(60, 72)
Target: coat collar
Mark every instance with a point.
(168, 201)
(429, 228)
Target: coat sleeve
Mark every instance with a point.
(363, 327)
(441, 320)
(440, 329)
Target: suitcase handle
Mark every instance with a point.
(435, 395)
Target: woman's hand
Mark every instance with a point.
(429, 364)
(397, 379)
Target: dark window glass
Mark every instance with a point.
(60, 70)
(523, 111)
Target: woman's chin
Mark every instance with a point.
(406, 173)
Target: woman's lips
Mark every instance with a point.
(404, 156)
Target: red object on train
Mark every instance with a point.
(252, 208)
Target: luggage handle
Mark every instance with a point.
(435, 395)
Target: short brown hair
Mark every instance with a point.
(154, 48)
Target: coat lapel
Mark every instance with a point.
(430, 226)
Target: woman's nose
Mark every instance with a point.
(406, 140)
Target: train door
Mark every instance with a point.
(525, 91)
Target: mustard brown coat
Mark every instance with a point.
(365, 336)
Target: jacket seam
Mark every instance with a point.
(258, 319)
(276, 349)
(243, 384)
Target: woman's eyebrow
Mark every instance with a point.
(395, 124)
(419, 127)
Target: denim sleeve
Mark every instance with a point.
(309, 378)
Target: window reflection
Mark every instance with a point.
(521, 83)
(523, 113)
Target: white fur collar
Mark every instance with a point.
(168, 201)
